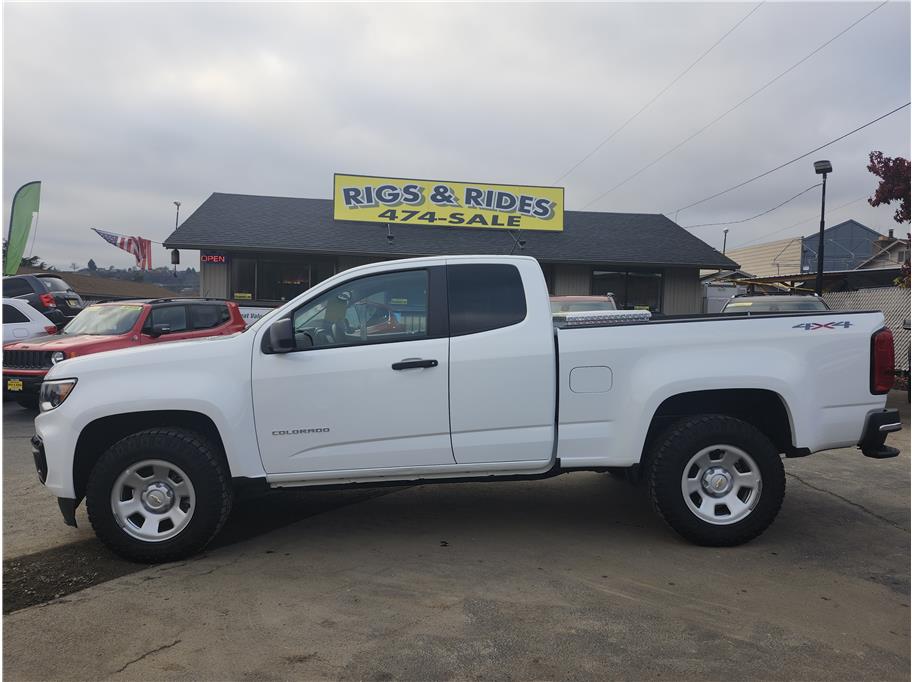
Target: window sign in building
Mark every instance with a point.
(447, 204)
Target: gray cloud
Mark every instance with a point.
(121, 109)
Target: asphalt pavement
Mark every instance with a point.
(568, 578)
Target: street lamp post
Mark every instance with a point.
(821, 168)
(724, 239)
(177, 206)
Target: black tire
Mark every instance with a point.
(195, 456)
(673, 451)
(29, 402)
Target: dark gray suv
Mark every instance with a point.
(47, 293)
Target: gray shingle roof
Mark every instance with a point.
(260, 223)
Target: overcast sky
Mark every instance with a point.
(121, 109)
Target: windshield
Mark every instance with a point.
(580, 306)
(104, 320)
(780, 306)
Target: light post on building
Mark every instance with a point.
(821, 168)
(175, 254)
(724, 239)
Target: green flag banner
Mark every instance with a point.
(23, 215)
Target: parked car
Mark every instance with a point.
(578, 304)
(774, 304)
(109, 326)
(703, 408)
(47, 293)
(22, 322)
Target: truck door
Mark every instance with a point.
(367, 386)
(502, 365)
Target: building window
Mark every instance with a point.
(282, 280)
(548, 272)
(632, 289)
(276, 279)
(243, 278)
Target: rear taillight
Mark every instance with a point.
(882, 361)
(51, 329)
(47, 301)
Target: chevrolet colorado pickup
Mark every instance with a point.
(474, 382)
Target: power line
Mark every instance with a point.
(657, 96)
(731, 109)
(753, 217)
(801, 222)
(797, 158)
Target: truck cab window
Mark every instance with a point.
(484, 297)
(374, 309)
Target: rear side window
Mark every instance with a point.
(10, 314)
(14, 286)
(54, 284)
(208, 316)
(175, 316)
(484, 296)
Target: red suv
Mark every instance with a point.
(109, 326)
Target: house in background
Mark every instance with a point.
(779, 257)
(845, 247)
(889, 251)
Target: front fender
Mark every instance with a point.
(212, 379)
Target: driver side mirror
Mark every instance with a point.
(281, 336)
(159, 329)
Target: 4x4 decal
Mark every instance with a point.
(810, 326)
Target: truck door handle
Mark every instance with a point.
(414, 364)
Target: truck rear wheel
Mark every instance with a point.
(158, 495)
(716, 480)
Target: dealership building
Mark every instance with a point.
(261, 250)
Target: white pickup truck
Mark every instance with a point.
(452, 369)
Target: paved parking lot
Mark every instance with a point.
(568, 578)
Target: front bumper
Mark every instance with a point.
(41, 464)
(877, 426)
(67, 504)
(31, 382)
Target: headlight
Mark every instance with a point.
(53, 393)
(59, 356)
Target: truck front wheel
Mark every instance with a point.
(158, 495)
(716, 480)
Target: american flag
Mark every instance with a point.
(139, 247)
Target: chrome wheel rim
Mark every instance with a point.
(721, 484)
(153, 500)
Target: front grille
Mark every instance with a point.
(26, 359)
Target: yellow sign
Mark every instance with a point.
(447, 204)
(14, 385)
